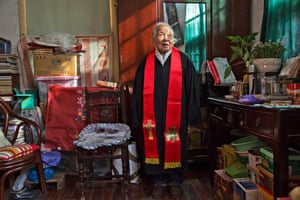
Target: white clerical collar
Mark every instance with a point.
(162, 58)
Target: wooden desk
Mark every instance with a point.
(277, 127)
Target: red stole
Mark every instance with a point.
(173, 113)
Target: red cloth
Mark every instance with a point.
(173, 116)
(150, 137)
(65, 115)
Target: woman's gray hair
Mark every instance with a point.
(157, 26)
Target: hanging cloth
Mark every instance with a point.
(173, 113)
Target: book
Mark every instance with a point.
(292, 69)
(281, 102)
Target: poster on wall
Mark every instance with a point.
(95, 62)
(171, 13)
(178, 36)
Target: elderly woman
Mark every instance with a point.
(166, 100)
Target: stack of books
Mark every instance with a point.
(8, 68)
(8, 63)
(6, 85)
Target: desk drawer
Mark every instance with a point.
(231, 116)
(261, 122)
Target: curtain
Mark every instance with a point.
(195, 33)
(281, 21)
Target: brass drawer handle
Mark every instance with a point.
(229, 116)
(257, 122)
(216, 110)
(242, 119)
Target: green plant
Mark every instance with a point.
(267, 50)
(241, 49)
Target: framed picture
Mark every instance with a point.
(171, 13)
(178, 36)
(95, 64)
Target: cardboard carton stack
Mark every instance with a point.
(52, 66)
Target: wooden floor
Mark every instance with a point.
(196, 187)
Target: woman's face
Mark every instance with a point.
(164, 39)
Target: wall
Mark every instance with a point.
(9, 22)
(257, 14)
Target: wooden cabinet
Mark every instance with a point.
(277, 127)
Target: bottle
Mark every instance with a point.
(263, 85)
(235, 91)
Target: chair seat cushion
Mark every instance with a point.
(98, 135)
(16, 151)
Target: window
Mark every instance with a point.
(280, 22)
(195, 33)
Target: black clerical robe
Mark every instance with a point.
(190, 111)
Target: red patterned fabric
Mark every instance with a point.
(65, 115)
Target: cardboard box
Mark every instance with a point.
(223, 186)
(56, 65)
(229, 155)
(293, 159)
(266, 179)
(263, 193)
(244, 189)
(253, 174)
(254, 157)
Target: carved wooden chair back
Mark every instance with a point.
(102, 106)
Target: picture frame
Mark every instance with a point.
(171, 11)
(178, 36)
(96, 60)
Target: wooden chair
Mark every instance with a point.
(12, 163)
(126, 89)
(102, 107)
